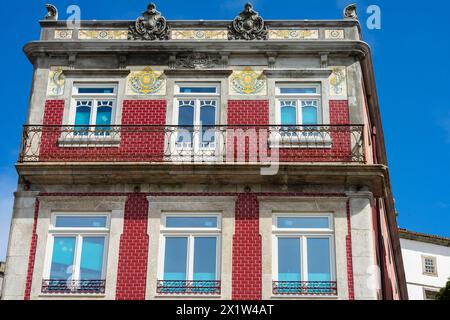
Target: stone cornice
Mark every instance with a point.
(349, 47)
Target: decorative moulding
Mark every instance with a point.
(56, 82)
(196, 60)
(199, 34)
(338, 83)
(293, 34)
(337, 34)
(151, 25)
(63, 34)
(92, 34)
(146, 82)
(248, 82)
(248, 25)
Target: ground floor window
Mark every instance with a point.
(190, 255)
(304, 255)
(77, 252)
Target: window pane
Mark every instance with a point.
(81, 222)
(96, 90)
(289, 263)
(303, 223)
(92, 258)
(191, 222)
(175, 258)
(198, 90)
(309, 115)
(208, 113)
(83, 116)
(311, 90)
(288, 115)
(62, 258)
(104, 116)
(319, 260)
(205, 258)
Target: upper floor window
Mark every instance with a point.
(196, 114)
(299, 104)
(77, 250)
(429, 266)
(93, 108)
(190, 254)
(304, 255)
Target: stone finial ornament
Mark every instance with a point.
(52, 12)
(248, 25)
(350, 12)
(149, 26)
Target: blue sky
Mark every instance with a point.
(411, 66)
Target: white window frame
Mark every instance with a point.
(299, 97)
(434, 260)
(299, 138)
(190, 233)
(197, 98)
(79, 234)
(94, 97)
(303, 235)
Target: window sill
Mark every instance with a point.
(89, 142)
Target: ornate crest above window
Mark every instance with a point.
(248, 26)
(150, 26)
(197, 60)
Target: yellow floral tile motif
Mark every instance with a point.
(146, 82)
(334, 34)
(56, 82)
(63, 34)
(248, 82)
(338, 83)
(103, 34)
(199, 34)
(293, 34)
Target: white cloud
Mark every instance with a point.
(8, 184)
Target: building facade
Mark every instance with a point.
(239, 159)
(427, 263)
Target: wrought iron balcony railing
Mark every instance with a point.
(148, 143)
(306, 288)
(73, 286)
(200, 287)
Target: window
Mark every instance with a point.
(304, 255)
(190, 254)
(299, 104)
(429, 266)
(430, 294)
(196, 111)
(93, 108)
(77, 254)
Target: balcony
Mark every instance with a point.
(180, 287)
(305, 288)
(73, 286)
(194, 144)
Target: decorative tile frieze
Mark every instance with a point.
(199, 34)
(146, 82)
(334, 34)
(63, 34)
(338, 83)
(56, 82)
(248, 82)
(293, 34)
(87, 34)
